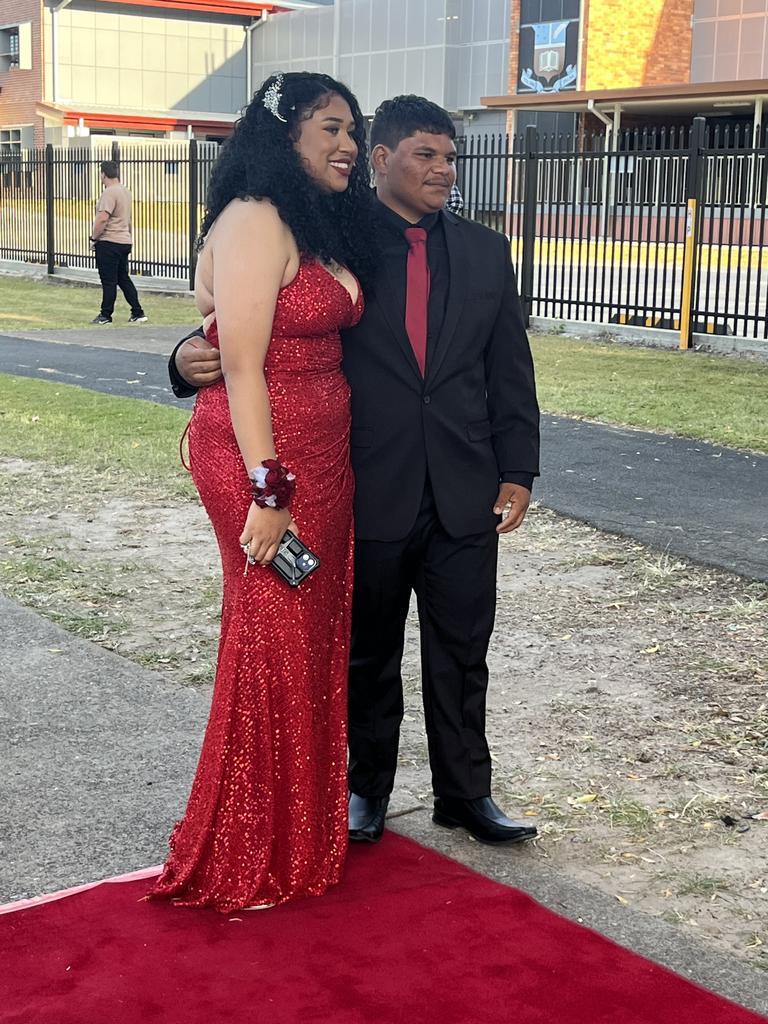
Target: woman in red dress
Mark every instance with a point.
(284, 249)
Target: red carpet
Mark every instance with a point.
(410, 937)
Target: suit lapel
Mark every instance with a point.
(395, 319)
(458, 263)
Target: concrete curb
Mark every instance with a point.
(649, 337)
(84, 278)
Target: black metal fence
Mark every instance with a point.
(48, 199)
(608, 229)
(599, 226)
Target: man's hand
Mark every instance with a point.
(198, 362)
(512, 504)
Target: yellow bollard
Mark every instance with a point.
(688, 262)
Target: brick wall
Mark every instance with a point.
(23, 90)
(514, 55)
(630, 43)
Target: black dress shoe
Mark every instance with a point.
(482, 819)
(366, 817)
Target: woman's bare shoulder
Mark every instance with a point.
(241, 216)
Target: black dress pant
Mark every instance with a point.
(455, 584)
(112, 265)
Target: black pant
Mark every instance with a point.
(112, 265)
(455, 584)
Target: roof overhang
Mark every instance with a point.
(229, 8)
(126, 120)
(714, 98)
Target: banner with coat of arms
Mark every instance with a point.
(548, 57)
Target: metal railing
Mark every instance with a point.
(48, 200)
(598, 225)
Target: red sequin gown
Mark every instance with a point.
(266, 819)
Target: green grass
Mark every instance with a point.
(701, 885)
(122, 442)
(723, 400)
(631, 815)
(713, 398)
(26, 304)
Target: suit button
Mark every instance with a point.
(427, 399)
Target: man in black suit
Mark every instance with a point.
(445, 449)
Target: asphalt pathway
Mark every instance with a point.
(688, 498)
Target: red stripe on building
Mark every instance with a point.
(230, 7)
(136, 122)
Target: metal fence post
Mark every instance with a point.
(529, 220)
(692, 189)
(193, 204)
(50, 239)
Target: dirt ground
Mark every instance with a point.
(628, 709)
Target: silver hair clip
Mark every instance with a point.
(272, 98)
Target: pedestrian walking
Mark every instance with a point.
(112, 240)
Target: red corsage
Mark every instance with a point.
(273, 484)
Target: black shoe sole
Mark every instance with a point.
(361, 837)
(451, 824)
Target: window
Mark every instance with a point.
(10, 157)
(16, 47)
(10, 140)
(13, 48)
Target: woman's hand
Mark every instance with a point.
(263, 531)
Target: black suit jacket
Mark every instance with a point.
(473, 417)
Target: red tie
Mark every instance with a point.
(417, 294)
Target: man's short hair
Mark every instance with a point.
(403, 116)
(110, 168)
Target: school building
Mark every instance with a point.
(173, 69)
(624, 64)
(71, 70)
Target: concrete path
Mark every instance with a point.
(688, 498)
(99, 754)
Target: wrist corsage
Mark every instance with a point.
(273, 484)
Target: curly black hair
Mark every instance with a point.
(259, 160)
(403, 116)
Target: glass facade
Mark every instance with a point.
(452, 51)
(730, 40)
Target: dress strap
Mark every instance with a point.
(184, 463)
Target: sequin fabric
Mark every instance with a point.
(266, 819)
